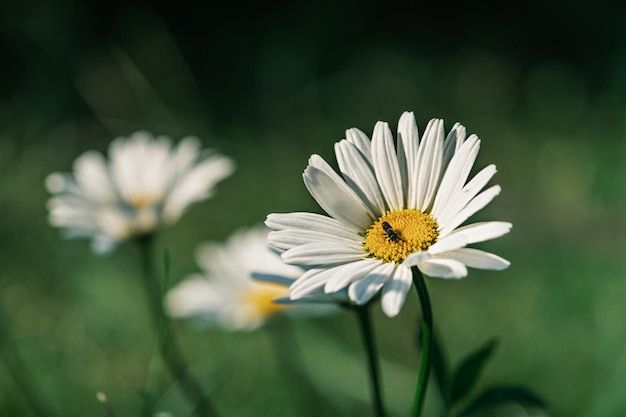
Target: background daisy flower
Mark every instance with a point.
(393, 207)
(239, 283)
(146, 183)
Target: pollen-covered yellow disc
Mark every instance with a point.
(399, 233)
(259, 299)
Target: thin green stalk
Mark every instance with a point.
(365, 324)
(427, 330)
(169, 350)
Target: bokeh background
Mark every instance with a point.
(542, 83)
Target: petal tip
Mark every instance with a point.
(391, 309)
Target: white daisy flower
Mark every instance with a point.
(393, 207)
(145, 184)
(239, 284)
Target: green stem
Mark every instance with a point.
(365, 324)
(427, 329)
(169, 350)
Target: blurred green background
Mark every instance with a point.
(543, 84)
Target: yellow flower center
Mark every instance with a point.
(142, 200)
(400, 233)
(260, 298)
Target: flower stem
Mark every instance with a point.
(427, 330)
(169, 350)
(365, 324)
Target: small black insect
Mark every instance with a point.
(391, 234)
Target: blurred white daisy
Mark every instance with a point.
(239, 283)
(145, 184)
(393, 207)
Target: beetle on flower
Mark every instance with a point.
(393, 207)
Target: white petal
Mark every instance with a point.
(429, 164)
(102, 244)
(156, 171)
(319, 296)
(139, 166)
(361, 141)
(57, 182)
(126, 163)
(443, 268)
(386, 166)
(453, 143)
(350, 273)
(408, 146)
(334, 196)
(321, 303)
(361, 291)
(359, 175)
(456, 175)
(194, 296)
(458, 200)
(287, 239)
(272, 279)
(311, 281)
(186, 153)
(310, 221)
(197, 185)
(216, 259)
(114, 222)
(483, 231)
(395, 291)
(480, 201)
(313, 254)
(92, 177)
(68, 210)
(416, 258)
(448, 243)
(475, 258)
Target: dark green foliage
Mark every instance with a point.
(456, 387)
(467, 373)
(499, 395)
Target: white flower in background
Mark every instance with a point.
(146, 183)
(393, 207)
(238, 285)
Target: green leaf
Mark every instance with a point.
(469, 371)
(500, 395)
